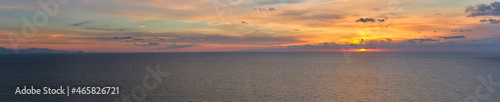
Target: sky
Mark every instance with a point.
(250, 25)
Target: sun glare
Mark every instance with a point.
(362, 50)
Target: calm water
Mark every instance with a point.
(259, 77)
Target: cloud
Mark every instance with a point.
(380, 20)
(250, 40)
(317, 45)
(388, 39)
(411, 41)
(424, 44)
(492, 9)
(267, 10)
(372, 44)
(175, 46)
(139, 39)
(188, 37)
(364, 20)
(80, 23)
(106, 29)
(460, 30)
(492, 21)
(452, 37)
(126, 37)
(34, 51)
(148, 44)
(426, 39)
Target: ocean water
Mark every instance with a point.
(259, 76)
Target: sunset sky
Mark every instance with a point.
(251, 25)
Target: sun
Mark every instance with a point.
(362, 50)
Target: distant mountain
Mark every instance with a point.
(4, 50)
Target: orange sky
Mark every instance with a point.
(250, 25)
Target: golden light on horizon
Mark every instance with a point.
(368, 50)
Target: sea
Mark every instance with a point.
(256, 76)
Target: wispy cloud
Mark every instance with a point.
(175, 46)
(453, 37)
(80, 23)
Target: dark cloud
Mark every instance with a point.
(461, 30)
(333, 45)
(381, 20)
(80, 23)
(139, 39)
(267, 10)
(452, 37)
(243, 22)
(268, 2)
(388, 39)
(317, 45)
(364, 20)
(492, 21)
(271, 9)
(492, 9)
(153, 44)
(410, 41)
(425, 39)
(421, 43)
(33, 51)
(448, 42)
(175, 46)
(127, 37)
